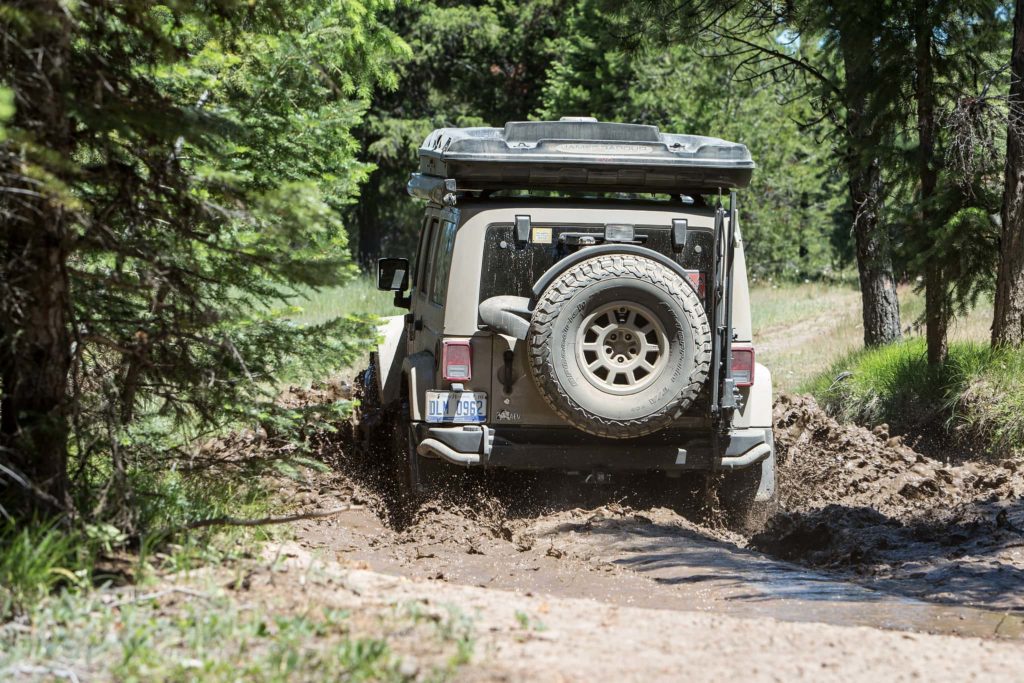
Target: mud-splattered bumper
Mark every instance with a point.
(525, 448)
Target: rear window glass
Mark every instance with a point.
(443, 262)
(425, 255)
(511, 270)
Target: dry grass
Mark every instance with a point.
(801, 330)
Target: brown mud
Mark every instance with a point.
(869, 533)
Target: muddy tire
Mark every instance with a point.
(619, 345)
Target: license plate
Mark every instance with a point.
(456, 406)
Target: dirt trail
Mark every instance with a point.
(870, 533)
(518, 637)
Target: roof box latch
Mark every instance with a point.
(522, 230)
(680, 231)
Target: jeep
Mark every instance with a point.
(578, 302)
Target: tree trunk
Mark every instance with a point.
(881, 306)
(1008, 322)
(35, 349)
(936, 288)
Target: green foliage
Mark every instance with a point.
(789, 218)
(34, 560)
(976, 397)
(194, 168)
(469, 64)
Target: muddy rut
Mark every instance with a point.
(869, 532)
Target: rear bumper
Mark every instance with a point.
(525, 448)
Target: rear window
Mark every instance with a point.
(511, 270)
(443, 262)
(423, 257)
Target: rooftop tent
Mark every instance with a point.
(581, 154)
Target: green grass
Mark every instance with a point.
(977, 397)
(193, 637)
(772, 305)
(358, 297)
(35, 559)
(801, 330)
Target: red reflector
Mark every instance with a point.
(743, 366)
(457, 360)
(698, 280)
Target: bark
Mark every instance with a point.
(936, 287)
(1008, 322)
(881, 307)
(35, 350)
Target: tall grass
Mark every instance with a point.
(34, 560)
(360, 296)
(977, 396)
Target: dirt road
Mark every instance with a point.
(881, 562)
(523, 636)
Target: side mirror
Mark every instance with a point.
(393, 274)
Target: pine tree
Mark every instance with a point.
(171, 174)
(1008, 326)
(831, 48)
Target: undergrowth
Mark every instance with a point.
(205, 636)
(976, 398)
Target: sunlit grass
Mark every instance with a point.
(977, 396)
(802, 329)
(358, 297)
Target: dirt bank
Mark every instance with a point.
(862, 503)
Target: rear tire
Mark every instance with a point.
(407, 490)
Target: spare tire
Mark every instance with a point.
(619, 345)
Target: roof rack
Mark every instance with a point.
(577, 154)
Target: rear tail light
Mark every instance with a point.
(457, 360)
(743, 366)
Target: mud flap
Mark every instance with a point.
(766, 488)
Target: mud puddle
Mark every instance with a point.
(868, 533)
(653, 558)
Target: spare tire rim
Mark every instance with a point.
(622, 347)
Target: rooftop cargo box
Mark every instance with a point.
(584, 154)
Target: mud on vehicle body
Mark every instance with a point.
(586, 333)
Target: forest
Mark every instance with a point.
(177, 175)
